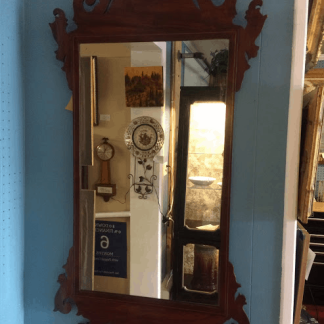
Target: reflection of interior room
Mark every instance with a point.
(203, 190)
(148, 238)
(143, 261)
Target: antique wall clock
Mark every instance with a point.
(105, 153)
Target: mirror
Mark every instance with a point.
(143, 84)
(125, 187)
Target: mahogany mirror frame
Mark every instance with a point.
(116, 21)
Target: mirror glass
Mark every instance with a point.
(129, 118)
(200, 269)
(205, 165)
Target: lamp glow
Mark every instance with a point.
(208, 115)
(207, 126)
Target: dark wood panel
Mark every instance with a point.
(313, 294)
(316, 276)
(317, 238)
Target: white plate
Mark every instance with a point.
(144, 137)
(202, 181)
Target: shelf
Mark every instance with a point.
(193, 224)
(203, 188)
(318, 207)
(205, 153)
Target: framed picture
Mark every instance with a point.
(144, 86)
(309, 152)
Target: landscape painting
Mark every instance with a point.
(144, 86)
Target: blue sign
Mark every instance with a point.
(111, 249)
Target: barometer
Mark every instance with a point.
(105, 153)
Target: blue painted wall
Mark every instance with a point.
(260, 132)
(12, 153)
(49, 183)
(257, 205)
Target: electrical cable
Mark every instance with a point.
(165, 217)
(123, 203)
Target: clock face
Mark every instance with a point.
(105, 152)
(144, 137)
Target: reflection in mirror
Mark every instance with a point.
(128, 226)
(205, 165)
(200, 273)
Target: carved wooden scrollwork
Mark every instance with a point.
(236, 303)
(161, 20)
(248, 35)
(63, 39)
(100, 313)
(64, 295)
(106, 17)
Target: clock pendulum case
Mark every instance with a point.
(105, 153)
